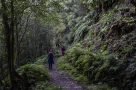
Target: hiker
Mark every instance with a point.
(50, 59)
(63, 51)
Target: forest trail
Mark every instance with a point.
(61, 79)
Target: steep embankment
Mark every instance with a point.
(103, 47)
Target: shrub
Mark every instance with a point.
(100, 4)
(74, 72)
(73, 54)
(81, 31)
(45, 86)
(83, 63)
(41, 60)
(88, 66)
(82, 78)
(66, 66)
(33, 73)
(62, 63)
(108, 63)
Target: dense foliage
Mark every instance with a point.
(106, 33)
(99, 36)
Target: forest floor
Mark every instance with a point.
(62, 80)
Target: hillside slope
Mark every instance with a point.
(102, 45)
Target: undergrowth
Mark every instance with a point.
(85, 66)
(36, 75)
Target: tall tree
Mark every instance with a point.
(9, 35)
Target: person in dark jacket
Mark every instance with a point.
(63, 51)
(50, 59)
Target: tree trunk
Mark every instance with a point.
(9, 35)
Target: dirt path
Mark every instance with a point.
(61, 79)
